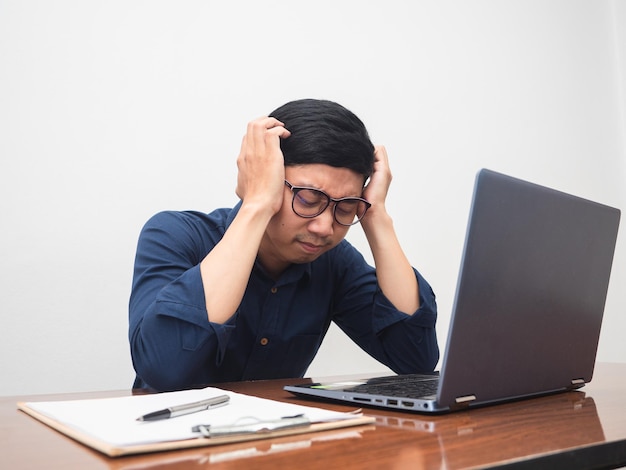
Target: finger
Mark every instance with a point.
(264, 123)
(280, 131)
(380, 153)
(263, 131)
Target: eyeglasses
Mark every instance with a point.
(310, 202)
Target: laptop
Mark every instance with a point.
(528, 307)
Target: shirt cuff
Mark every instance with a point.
(193, 310)
(385, 314)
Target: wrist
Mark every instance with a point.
(376, 216)
(256, 210)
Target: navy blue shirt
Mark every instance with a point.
(279, 325)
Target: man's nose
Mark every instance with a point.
(323, 224)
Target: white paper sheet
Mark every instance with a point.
(114, 420)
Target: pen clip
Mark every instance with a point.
(251, 425)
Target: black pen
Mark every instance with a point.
(186, 409)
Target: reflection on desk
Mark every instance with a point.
(485, 429)
(242, 452)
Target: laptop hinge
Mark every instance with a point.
(465, 399)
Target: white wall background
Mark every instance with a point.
(112, 111)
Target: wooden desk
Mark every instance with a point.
(584, 429)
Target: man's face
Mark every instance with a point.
(290, 238)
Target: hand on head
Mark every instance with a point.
(261, 164)
(380, 180)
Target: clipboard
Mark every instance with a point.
(241, 426)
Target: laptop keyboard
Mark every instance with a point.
(409, 386)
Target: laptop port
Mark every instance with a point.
(392, 402)
(408, 404)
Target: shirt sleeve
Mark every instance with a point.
(170, 336)
(404, 343)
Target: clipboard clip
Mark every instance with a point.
(251, 425)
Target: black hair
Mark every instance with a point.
(325, 132)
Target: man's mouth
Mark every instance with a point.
(311, 248)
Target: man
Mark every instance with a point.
(249, 292)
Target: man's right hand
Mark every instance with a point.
(261, 164)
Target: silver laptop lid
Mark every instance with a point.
(530, 294)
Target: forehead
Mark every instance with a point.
(337, 182)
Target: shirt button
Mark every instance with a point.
(274, 290)
(264, 341)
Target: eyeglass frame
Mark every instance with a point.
(296, 189)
